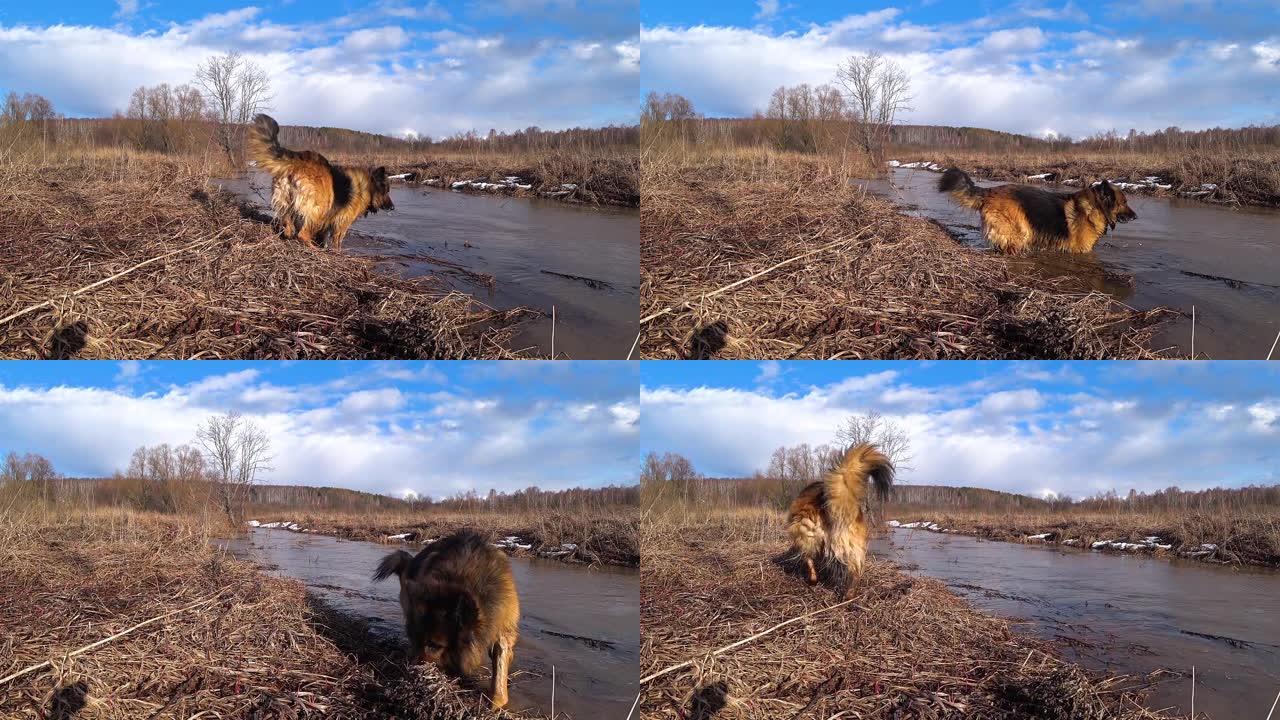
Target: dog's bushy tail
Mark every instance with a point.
(960, 187)
(395, 563)
(847, 485)
(264, 145)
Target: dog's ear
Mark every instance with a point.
(1107, 199)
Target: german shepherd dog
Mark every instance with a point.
(828, 520)
(314, 199)
(1017, 218)
(460, 604)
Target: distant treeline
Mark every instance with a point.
(177, 120)
(815, 119)
(671, 480)
(163, 478)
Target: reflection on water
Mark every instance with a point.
(1133, 614)
(528, 246)
(1178, 253)
(585, 622)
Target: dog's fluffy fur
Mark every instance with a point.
(315, 200)
(460, 604)
(828, 520)
(1017, 218)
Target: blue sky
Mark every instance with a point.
(1036, 428)
(434, 67)
(1029, 66)
(434, 428)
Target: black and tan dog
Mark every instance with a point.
(1017, 218)
(827, 522)
(460, 604)
(315, 200)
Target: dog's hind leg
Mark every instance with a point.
(812, 578)
(500, 655)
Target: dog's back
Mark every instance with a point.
(460, 604)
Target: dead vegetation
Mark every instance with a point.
(119, 254)
(190, 632)
(595, 176)
(1248, 537)
(1239, 178)
(752, 253)
(607, 536)
(906, 647)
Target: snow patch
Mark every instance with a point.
(1041, 536)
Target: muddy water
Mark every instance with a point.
(1130, 614)
(519, 243)
(596, 677)
(1178, 253)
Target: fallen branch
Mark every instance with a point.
(104, 281)
(106, 640)
(744, 641)
(749, 278)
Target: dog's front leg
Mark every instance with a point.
(500, 655)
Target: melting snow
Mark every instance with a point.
(1041, 536)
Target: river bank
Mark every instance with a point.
(1222, 538)
(757, 254)
(121, 254)
(136, 613)
(906, 646)
(610, 537)
(1251, 179)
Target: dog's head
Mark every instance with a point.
(441, 620)
(1113, 204)
(380, 191)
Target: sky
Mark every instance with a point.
(1037, 67)
(388, 427)
(1034, 428)
(433, 67)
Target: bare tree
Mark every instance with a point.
(235, 89)
(236, 450)
(874, 428)
(876, 89)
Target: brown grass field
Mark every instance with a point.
(1246, 177)
(755, 253)
(607, 536)
(1246, 537)
(905, 647)
(125, 615)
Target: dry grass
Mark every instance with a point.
(885, 286)
(907, 648)
(609, 536)
(251, 647)
(603, 176)
(1246, 177)
(232, 288)
(1241, 537)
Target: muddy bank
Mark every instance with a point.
(583, 622)
(510, 253)
(1131, 613)
(1179, 254)
(136, 257)
(906, 647)
(1213, 539)
(786, 260)
(610, 539)
(203, 634)
(1217, 179)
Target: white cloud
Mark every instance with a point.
(1016, 439)
(126, 8)
(978, 73)
(378, 78)
(768, 9)
(770, 370)
(128, 370)
(380, 438)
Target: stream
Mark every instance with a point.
(1177, 253)
(540, 253)
(583, 621)
(1123, 613)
